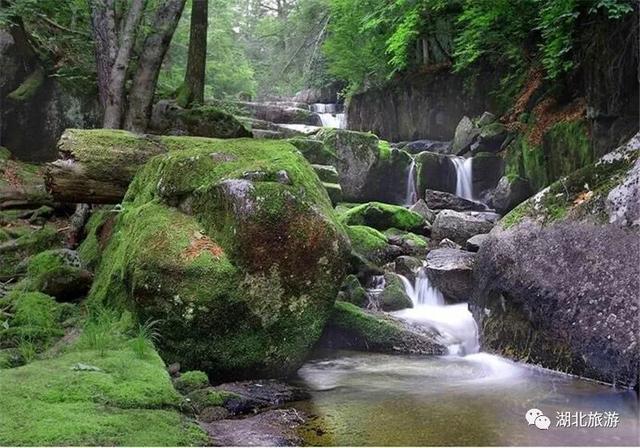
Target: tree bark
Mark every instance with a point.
(146, 77)
(103, 25)
(115, 97)
(193, 88)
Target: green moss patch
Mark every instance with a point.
(83, 398)
(383, 216)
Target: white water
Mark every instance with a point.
(455, 323)
(464, 177)
(329, 115)
(412, 192)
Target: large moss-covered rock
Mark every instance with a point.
(204, 121)
(234, 247)
(559, 277)
(394, 296)
(384, 216)
(372, 245)
(20, 243)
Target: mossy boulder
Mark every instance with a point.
(353, 328)
(394, 296)
(353, 292)
(234, 247)
(559, 276)
(58, 273)
(382, 216)
(168, 118)
(372, 245)
(190, 381)
(23, 242)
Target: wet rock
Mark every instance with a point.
(492, 217)
(352, 291)
(451, 271)
(353, 328)
(441, 200)
(410, 243)
(421, 208)
(212, 414)
(393, 296)
(271, 428)
(509, 193)
(490, 138)
(435, 171)
(465, 135)
(407, 267)
(384, 216)
(486, 169)
(458, 227)
(475, 242)
(249, 396)
(419, 146)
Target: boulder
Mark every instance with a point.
(448, 244)
(485, 119)
(232, 245)
(168, 118)
(475, 242)
(423, 209)
(492, 217)
(509, 193)
(465, 135)
(557, 282)
(388, 179)
(419, 146)
(410, 243)
(490, 138)
(458, 227)
(352, 291)
(435, 171)
(441, 200)
(372, 245)
(623, 202)
(407, 267)
(382, 216)
(394, 296)
(58, 273)
(280, 113)
(486, 171)
(451, 271)
(326, 173)
(352, 328)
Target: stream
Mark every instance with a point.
(464, 398)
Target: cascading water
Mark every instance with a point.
(464, 177)
(329, 115)
(412, 192)
(455, 323)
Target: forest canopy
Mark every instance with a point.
(258, 48)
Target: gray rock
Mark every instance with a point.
(326, 173)
(451, 271)
(491, 138)
(623, 202)
(271, 428)
(509, 193)
(475, 242)
(353, 292)
(281, 113)
(257, 394)
(466, 133)
(212, 414)
(485, 119)
(448, 244)
(486, 169)
(407, 267)
(441, 200)
(458, 227)
(422, 209)
(435, 171)
(419, 146)
(492, 217)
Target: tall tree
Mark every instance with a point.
(116, 29)
(192, 90)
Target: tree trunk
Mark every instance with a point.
(193, 88)
(146, 77)
(103, 25)
(114, 106)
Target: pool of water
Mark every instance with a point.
(384, 400)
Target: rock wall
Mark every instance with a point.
(421, 105)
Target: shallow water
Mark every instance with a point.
(374, 399)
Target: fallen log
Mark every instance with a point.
(21, 184)
(97, 165)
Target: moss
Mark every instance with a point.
(515, 216)
(353, 292)
(193, 228)
(190, 381)
(383, 216)
(416, 240)
(82, 398)
(208, 121)
(98, 233)
(27, 243)
(366, 240)
(206, 398)
(5, 154)
(385, 149)
(314, 151)
(362, 145)
(394, 296)
(47, 265)
(29, 86)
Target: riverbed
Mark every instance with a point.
(367, 399)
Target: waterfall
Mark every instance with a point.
(412, 192)
(329, 115)
(464, 177)
(454, 323)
